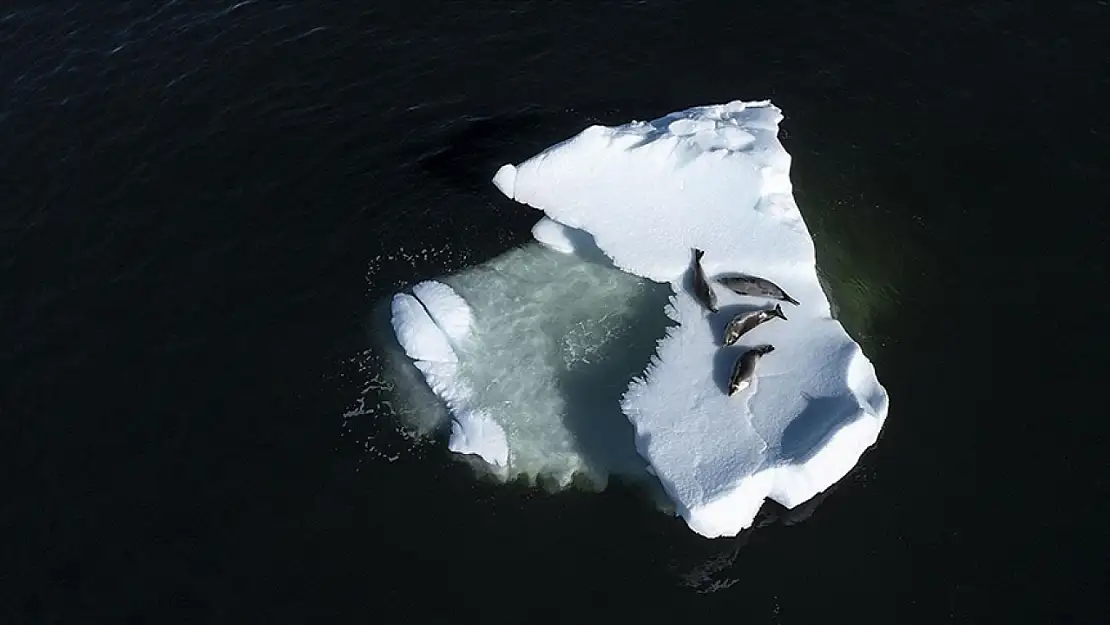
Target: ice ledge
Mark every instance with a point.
(505, 180)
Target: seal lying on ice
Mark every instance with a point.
(742, 323)
(702, 289)
(744, 369)
(754, 285)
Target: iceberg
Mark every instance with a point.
(631, 202)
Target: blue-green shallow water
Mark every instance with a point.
(203, 203)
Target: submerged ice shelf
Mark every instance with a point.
(640, 197)
(545, 346)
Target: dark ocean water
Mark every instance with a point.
(201, 203)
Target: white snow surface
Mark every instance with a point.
(450, 312)
(714, 178)
(426, 325)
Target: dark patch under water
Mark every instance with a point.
(203, 201)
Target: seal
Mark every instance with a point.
(754, 285)
(742, 323)
(744, 369)
(702, 289)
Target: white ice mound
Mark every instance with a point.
(556, 236)
(715, 178)
(426, 325)
(418, 334)
(449, 311)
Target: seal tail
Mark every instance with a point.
(697, 255)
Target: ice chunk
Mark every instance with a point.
(554, 235)
(449, 311)
(504, 179)
(716, 178)
(426, 324)
(417, 333)
(474, 432)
